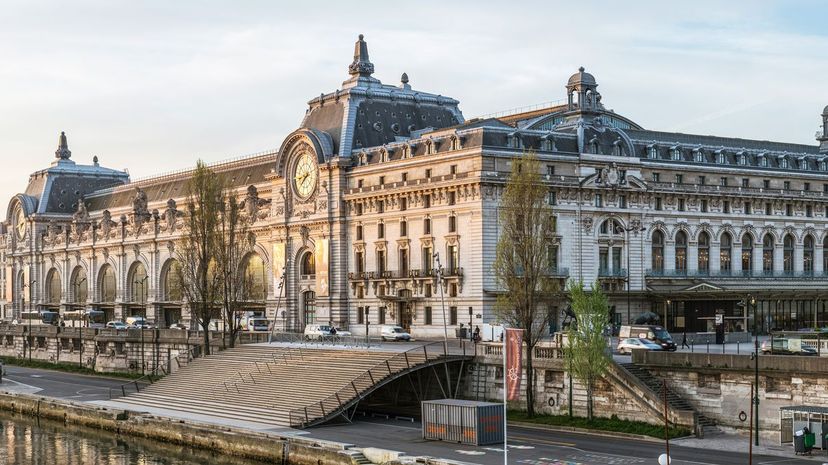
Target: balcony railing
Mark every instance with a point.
(732, 274)
(404, 274)
(612, 273)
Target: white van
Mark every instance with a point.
(317, 332)
(255, 323)
(394, 333)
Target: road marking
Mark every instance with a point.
(543, 441)
(470, 452)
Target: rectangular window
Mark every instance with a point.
(704, 206)
(359, 258)
(748, 209)
(768, 209)
(656, 177)
(451, 198)
(452, 291)
(428, 319)
(428, 173)
(404, 177)
(622, 201)
(658, 203)
(809, 211)
(806, 186)
(452, 224)
(552, 199)
(403, 266)
(723, 182)
(452, 316)
(766, 183)
(679, 179)
(453, 259)
(380, 231)
(382, 315)
(825, 188)
(427, 226)
(427, 290)
(403, 204)
(380, 262)
(726, 206)
(359, 183)
(453, 169)
(702, 180)
(360, 315)
(382, 180)
(603, 260)
(427, 201)
(359, 232)
(745, 182)
(599, 202)
(381, 206)
(358, 209)
(428, 259)
(787, 185)
(403, 228)
(788, 210)
(681, 205)
(550, 170)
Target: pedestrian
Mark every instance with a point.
(684, 340)
(476, 334)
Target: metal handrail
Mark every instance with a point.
(300, 417)
(150, 376)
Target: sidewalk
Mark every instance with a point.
(740, 443)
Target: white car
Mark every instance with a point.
(342, 333)
(117, 325)
(394, 333)
(626, 346)
(317, 332)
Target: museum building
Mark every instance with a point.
(382, 208)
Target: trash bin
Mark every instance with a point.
(825, 442)
(803, 441)
(810, 441)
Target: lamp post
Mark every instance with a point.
(75, 288)
(752, 301)
(278, 302)
(442, 296)
(28, 317)
(635, 229)
(144, 320)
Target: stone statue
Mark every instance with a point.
(171, 215)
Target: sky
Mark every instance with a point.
(153, 86)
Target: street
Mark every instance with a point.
(50, 383)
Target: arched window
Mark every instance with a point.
(681, 251)
(308, 264)
(747, 253)
(704, 252)
(106, 284)
(137, 283)
(725, 252)
(767, 253)
(788, 253)
(254, 278)
(309, 309)
(825, 255)
(53, 287)
(171, 281)
(658, 251)
(611, 227)
(808, 254)
(80, 286)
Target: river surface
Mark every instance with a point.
(26, 441)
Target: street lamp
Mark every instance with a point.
(144, 321)
(75, 288)
(278, 302)
(752, 301)
(442, 296)
(635, 229)
(28, 317)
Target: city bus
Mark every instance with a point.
(44, 317)
(84, 318)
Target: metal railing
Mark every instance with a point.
(324, 341)
(736, 274)
(612, 273)
(304, 416)
(148, 379)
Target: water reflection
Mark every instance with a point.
(28, 441)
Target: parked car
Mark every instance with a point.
(626, 346)
(255, 323)
(117, 324)
(343, 333)
(784, 347)
(654, 333)
(138, 322)
(317, 332)
(180, 326)
(394, 333)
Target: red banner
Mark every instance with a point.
(514, 362)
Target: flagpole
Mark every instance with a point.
(505, 387)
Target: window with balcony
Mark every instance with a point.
(359, 259)
(428, 173)
(453, 169)
(403, 262)
(453, 253)
(681, 251)
(404, 177)
(552, 258)
(381, 262)
(747, 253)
(788, 253)
(725, 251)
(403, 228)
(767, 253)
(380, 230)
(428, 259)
(452, 223)
(808, 254)
(359, 232)
(382, 180)
(658, 251)
(426, 226)
(704, 252)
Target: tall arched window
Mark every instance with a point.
(747, 254)
(808, 254)
(80, 286)
(171, 281)
(825, 255)
(681, 251)
(137, 283)
(704, 252)
(53, 287)
(107, 284)
(788, 253)
(767, 253)
(254, 278)
(309, 310)
(658, 251)
(308, 264)
(725, 252)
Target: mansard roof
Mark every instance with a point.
(718, 142)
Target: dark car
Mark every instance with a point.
(784, 347)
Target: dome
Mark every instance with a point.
(582, 78)
(825, 110)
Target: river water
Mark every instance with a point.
(26, 441)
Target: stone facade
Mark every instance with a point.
(383, 186)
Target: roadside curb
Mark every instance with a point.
(591, 432)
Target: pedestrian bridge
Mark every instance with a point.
(291, 384)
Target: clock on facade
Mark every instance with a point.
(304, 176)
(20, 223)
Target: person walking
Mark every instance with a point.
(476, 334)
(684, 340)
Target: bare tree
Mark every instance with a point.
(586, 349)
(199, 273)
(523, 261)
(234, 242)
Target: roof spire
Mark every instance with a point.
(361, 65)
(63, 152)
(404, 81)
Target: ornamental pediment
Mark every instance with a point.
(611, 177)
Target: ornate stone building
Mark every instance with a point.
(381, 186)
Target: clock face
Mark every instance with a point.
(20, 223)
(304, 176)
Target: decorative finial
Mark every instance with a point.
(361, 65)
(63, 152)
(581, 69)
(404, 78)
(95, 160)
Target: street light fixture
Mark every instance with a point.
(278, 302)
(634, 229)
(29, 339)
(750, 301)
(76, 287)
(144, 319)
(439, 271)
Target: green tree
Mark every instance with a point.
(586, 350)
(199, 274)
(234, 242)
(524, 260)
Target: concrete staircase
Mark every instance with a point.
(706, 426)
(264, 384)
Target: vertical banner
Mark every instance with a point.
(513, 346)
(321, 257)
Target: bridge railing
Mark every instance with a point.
(304, 416)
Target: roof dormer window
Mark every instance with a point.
(722, 157)
(764, 160)
(617, 151)
(593, 146)
(652, 151)
(743, 159)
(675, 153)
(783, 162)
(698, 156)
